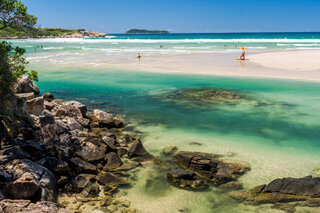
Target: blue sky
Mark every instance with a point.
(178, 16)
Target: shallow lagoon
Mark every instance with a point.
(278, 139)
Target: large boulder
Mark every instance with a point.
(13, 206)
(80, 106)
(137, 149)
(305, 190)
(26, 85)
(106, 119)
(26, 96)
(47, 186)
(90, 152)
(35, 106)
(185, 179)
(68, 111)
(46, 118)
(82, 166)
(56, 166)
(209, 167)
(113, 161)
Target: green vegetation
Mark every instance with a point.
(11, 32)
(12, 63)
(137, 31)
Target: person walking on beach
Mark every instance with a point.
(139, 56)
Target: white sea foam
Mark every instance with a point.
(53, 48)
(83, 40)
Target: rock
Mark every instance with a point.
(47, 182)
(26, 96)
(82, 166)
(137, 149)
(113, 161)
(284, 207)
(90, 152)
(61, 127)
(84, 122)
(283, 191)
(185, 179)
(49, 105)
(50, 138)
(106, 119)
(23, 188)
(91, 189)
(16, 153)
(232, 185)
(68, 111)
(169, 150)
(73, 124)
(56, 166)
(208, 167)
(297, 186)
(13, 206)
(80, 106)
(110, 142)
(62, 181)
(46, 118)
(35, 106)
(110, 179)
(48, 96)
(26, 85)
(80, 182)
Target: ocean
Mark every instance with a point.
(277, 131)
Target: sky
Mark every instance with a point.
(179, 16)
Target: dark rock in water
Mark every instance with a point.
(24, 187)
(35, 106)
(80, 106)
(90, 152)
(48, 96)
(185, 179)
(56, 166)
(110, 179)
(283, 191)
(110, 142)
(169, 150)
(137, 149)
(113, 161)
(46, 118)
(284, 207)
(209, 167)
(47, 182)
(297, 186)
(13, 206)
(91, 189)
(26, 85)
(232, 185)
(80, 182)
(82, 166)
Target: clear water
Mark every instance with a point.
(177, 43)
(279, 139)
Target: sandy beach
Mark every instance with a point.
(286, 64)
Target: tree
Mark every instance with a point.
(14, 14)
(12, 63)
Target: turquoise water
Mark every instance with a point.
(177, 43)
(278, 138)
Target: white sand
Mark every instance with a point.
(295, 64)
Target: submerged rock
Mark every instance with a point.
(137, 149)
(185, 179)
(283, 190)
(209, 167)
(170, 150)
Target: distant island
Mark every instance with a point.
(11, 33)
(137, 31)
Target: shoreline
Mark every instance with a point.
(260, 64)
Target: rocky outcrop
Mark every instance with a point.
(197, 169)
(13, 206)
(63, 149)
(305, 191)
(26, 85)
